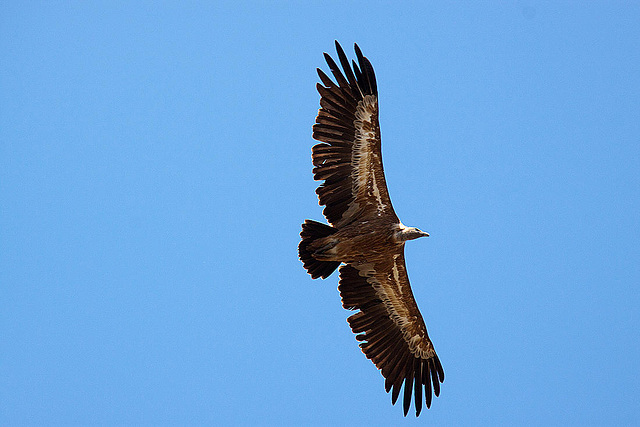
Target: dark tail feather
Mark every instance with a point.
(312, 230)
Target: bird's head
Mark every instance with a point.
(405, 233)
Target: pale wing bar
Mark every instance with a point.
(401, 349)
(349, 159)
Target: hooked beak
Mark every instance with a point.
(424, 234)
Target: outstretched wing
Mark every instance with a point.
(350, 158)
(391, 328)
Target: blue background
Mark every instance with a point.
(155, 168)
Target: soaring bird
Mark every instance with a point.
(365, 236)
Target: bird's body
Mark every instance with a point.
(366, 235)
(363, 242)
(355, 244)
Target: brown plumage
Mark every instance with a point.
(365, 234)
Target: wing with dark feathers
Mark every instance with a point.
(391, 329)
(349, 159)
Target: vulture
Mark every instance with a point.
(366, 239)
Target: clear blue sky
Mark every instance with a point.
(155, 168)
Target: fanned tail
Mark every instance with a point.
(312, 230)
